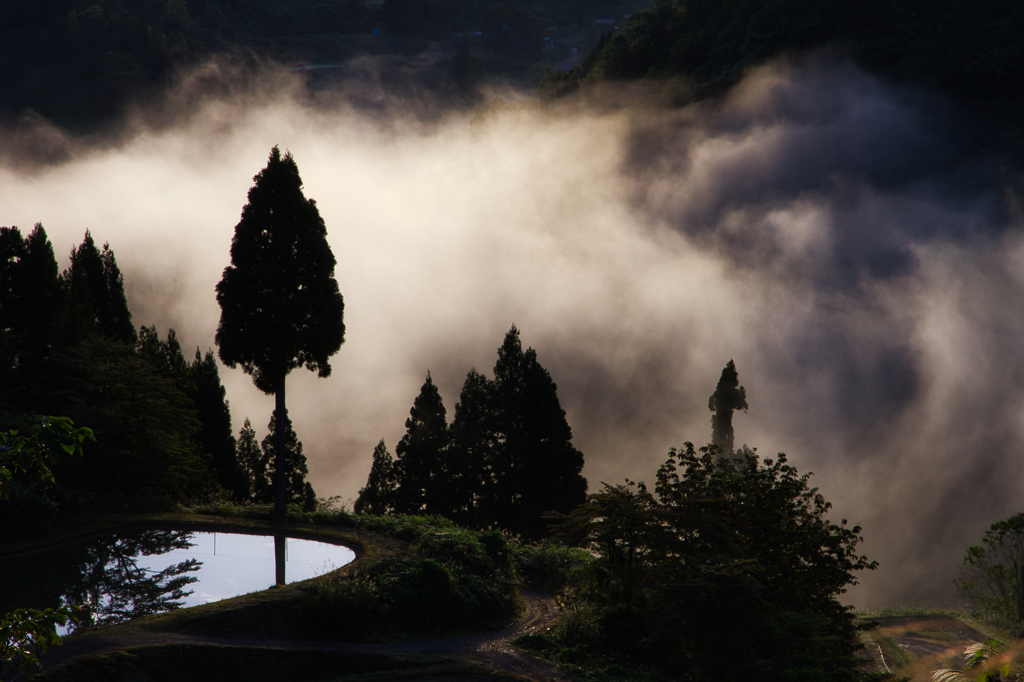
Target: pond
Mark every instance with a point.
(126, 575)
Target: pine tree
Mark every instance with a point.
(471, 454)
(376, 497)
(419, 467)
(96, 299)
(250, 459)
(215, 436)
(536, 467)
(38, 294)
(728, 397)
(297, 489)
(280, 304)
(145, 425)
(30, 302)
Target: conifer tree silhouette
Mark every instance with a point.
(420, 466)
(377, 496)
(250, 459)
(536, 468)
(728, 397)
(297, 489)
(96, 294)
(280, 304)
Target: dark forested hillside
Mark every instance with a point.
(79, 63)
(971, 52)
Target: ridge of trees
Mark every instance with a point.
(696, 49)
(68, 346)
(506, 459)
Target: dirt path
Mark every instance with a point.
(494, 648)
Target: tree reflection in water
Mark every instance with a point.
(111, 587)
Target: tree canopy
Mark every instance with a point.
(992, 574)
(280, 304)
(729, 570)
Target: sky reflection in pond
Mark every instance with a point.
(237, 564)
(122, 576)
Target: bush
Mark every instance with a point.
(452, 577)
(340, 605)
(549, 567)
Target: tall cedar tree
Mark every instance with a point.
(280, 304)
(420, 466)
(215, 436)
(96, 301)
(250, 459)
(30, 300)
(470, 479)
(536, 467)
(377, 497)
(297, 489)
(728, 397)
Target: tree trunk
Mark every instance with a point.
(279, 559)
(281, 418)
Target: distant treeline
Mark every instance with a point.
(163, 428)
(79, 63)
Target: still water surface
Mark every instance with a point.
(123, 576)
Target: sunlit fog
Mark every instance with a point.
(805, 227)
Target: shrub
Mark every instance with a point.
(548, 567)
(341, 605)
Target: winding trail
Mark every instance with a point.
(494, 649)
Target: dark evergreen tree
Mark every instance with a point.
(250, 459)
(145, 426)
(376, 497)
(728, 397)
(297, 489)
(30, 301)
(280, 304)
(164, 356)
(12, 250)
(470, 481)
(215, 435)
(536, 467)
(96, 300)
(420, 464)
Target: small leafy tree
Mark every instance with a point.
(992, 574)
(730, 570)
(27, 634)
(280, 304)
(621, 525)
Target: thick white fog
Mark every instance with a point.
(805, 227)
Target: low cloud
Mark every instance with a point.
(814, 226)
